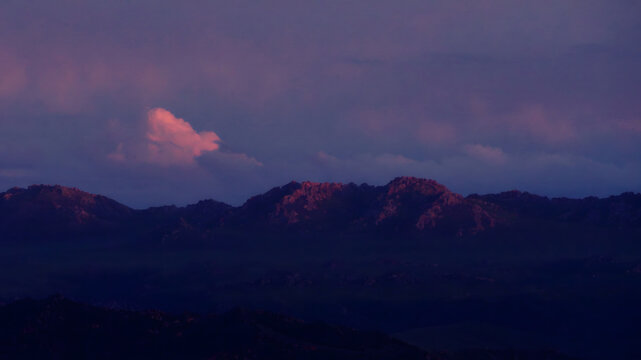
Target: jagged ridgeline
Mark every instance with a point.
(405, 205)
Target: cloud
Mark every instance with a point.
(168, 141)
(371, 168)
(535, 121)
(15, 173)
(488, 154)
(118, 154)
(392, 123)
(173, 141)
(238, 162)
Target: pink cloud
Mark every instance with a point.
(173, 141)
(534, 121)
(368, 165)
(487, 154)
(325, 158)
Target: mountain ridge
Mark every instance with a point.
(404, 205)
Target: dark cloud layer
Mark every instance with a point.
(480, 95)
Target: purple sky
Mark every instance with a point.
(154, 101)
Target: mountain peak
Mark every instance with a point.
(404, 204)
(414, 184)
(54, 187)
(54, 208)
(49, 192)
(426, 204)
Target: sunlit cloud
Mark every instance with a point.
(168, 140)
(174, 141)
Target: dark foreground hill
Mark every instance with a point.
(57, 328)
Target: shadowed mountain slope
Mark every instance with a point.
(619, 211)
(42, 209)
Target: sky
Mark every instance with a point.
(157, 102)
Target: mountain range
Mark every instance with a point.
(444, 272)
(405, 205)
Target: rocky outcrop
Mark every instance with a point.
(406, 204)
